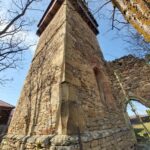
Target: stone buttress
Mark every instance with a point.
(67, 102)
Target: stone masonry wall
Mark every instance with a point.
(88, 107)
(36, 112)
(134, 76)
(67, 101)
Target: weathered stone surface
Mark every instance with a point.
(67, 102)
(134, 76)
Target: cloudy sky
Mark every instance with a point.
(111, 46)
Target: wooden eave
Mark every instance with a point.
(54, 7)
(6, 108)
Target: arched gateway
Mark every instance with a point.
(64, 105)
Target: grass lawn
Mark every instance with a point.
(139, 128)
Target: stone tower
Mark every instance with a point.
(67, 102)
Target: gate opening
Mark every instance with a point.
(139, 116)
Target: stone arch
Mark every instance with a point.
(126, 115)
(126, 102)
(133, 84)
(139, 99)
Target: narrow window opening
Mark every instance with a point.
(99, 84)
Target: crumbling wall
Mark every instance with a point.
(134, 74)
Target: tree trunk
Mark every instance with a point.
(137, 13)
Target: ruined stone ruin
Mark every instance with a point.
(71, 99)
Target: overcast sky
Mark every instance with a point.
(111, 46)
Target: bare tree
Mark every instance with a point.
(136, 43)
(135, 12)
(136, 38)
(13, 26)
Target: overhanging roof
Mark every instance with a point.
(6, 105)
(56, 4)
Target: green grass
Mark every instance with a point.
(140, 126)
(140, 132)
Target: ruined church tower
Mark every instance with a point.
(67, 102)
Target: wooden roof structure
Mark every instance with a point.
(6, 105)
(79, 6)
